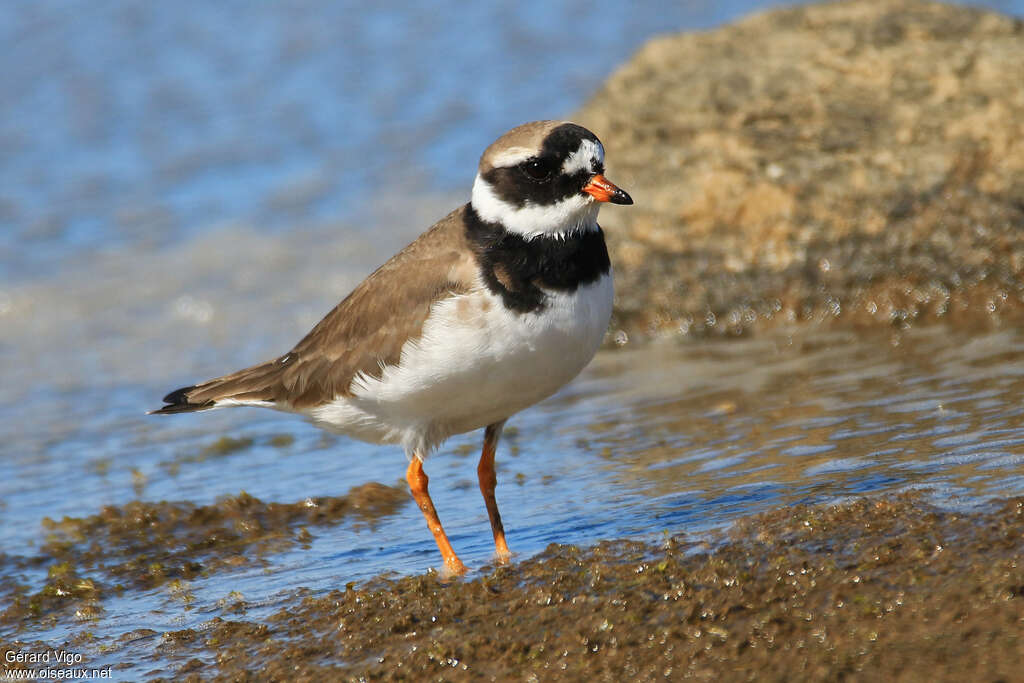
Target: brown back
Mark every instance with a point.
(366, 331)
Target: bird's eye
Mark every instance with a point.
(537, 169)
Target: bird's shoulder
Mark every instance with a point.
(367, 330)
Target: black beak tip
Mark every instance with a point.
(621, 197)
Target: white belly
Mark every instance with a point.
(475, 363)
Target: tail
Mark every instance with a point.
(259, 385)
(178, 402)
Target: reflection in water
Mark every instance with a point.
(817, 417)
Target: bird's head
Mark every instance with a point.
(544, 178)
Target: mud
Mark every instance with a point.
(892, 588)
(142, 545)
(852, 163)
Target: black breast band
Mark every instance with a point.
(520, 269)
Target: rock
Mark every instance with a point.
(860, 162)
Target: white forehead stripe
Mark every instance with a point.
(512, 156)
(576, 212)
(582, 158)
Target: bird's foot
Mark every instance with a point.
(452, 568)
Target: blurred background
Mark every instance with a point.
(129, 123)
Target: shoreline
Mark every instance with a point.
(884, 585)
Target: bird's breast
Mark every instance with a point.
(478, 361)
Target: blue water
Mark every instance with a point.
(185, 188)
(130, 123)
(139, 122)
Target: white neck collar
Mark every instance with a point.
(573, 214)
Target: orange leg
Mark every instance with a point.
(488, 480)
(418, 479)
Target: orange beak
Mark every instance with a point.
(603, 190)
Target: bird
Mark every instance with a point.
(491, 310)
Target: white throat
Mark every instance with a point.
(572, 214)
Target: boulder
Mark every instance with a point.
(857, 162)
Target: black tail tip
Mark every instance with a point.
(178, 396)
(178, 402)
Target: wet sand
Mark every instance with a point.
(890, 588)
(143, 545)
